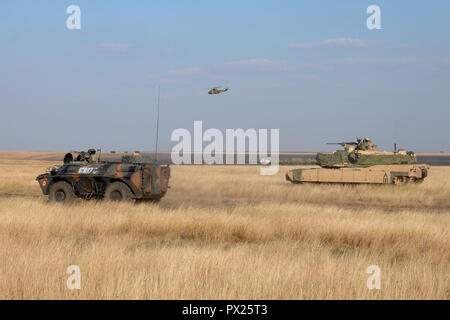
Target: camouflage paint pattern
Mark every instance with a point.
(217, 90)
(363, 159)
(145, 180)
(361, 162)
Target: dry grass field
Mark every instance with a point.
(225, 232)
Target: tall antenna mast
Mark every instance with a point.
(157, 126)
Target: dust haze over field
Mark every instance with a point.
(225, 232)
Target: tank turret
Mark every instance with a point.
(362, 162)
(363, 153)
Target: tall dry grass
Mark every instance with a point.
(227, 233)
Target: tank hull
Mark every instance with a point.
(378, 174)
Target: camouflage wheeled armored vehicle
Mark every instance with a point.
(362, 163)
(133, 178)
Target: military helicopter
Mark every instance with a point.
(216, 90)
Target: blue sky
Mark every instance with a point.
(309, 68)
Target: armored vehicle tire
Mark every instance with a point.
(118, 191)
(61, 192)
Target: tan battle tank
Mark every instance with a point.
(362, 162)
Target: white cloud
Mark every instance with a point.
(360, 60)
(373, 61)
(334, 43)
(176, 76)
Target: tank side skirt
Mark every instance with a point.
(372, 175)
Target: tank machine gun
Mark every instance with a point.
(362, 162)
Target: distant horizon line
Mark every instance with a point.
(169, 152)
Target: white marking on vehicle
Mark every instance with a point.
(87, 170)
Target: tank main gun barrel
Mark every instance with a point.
(344, 143)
